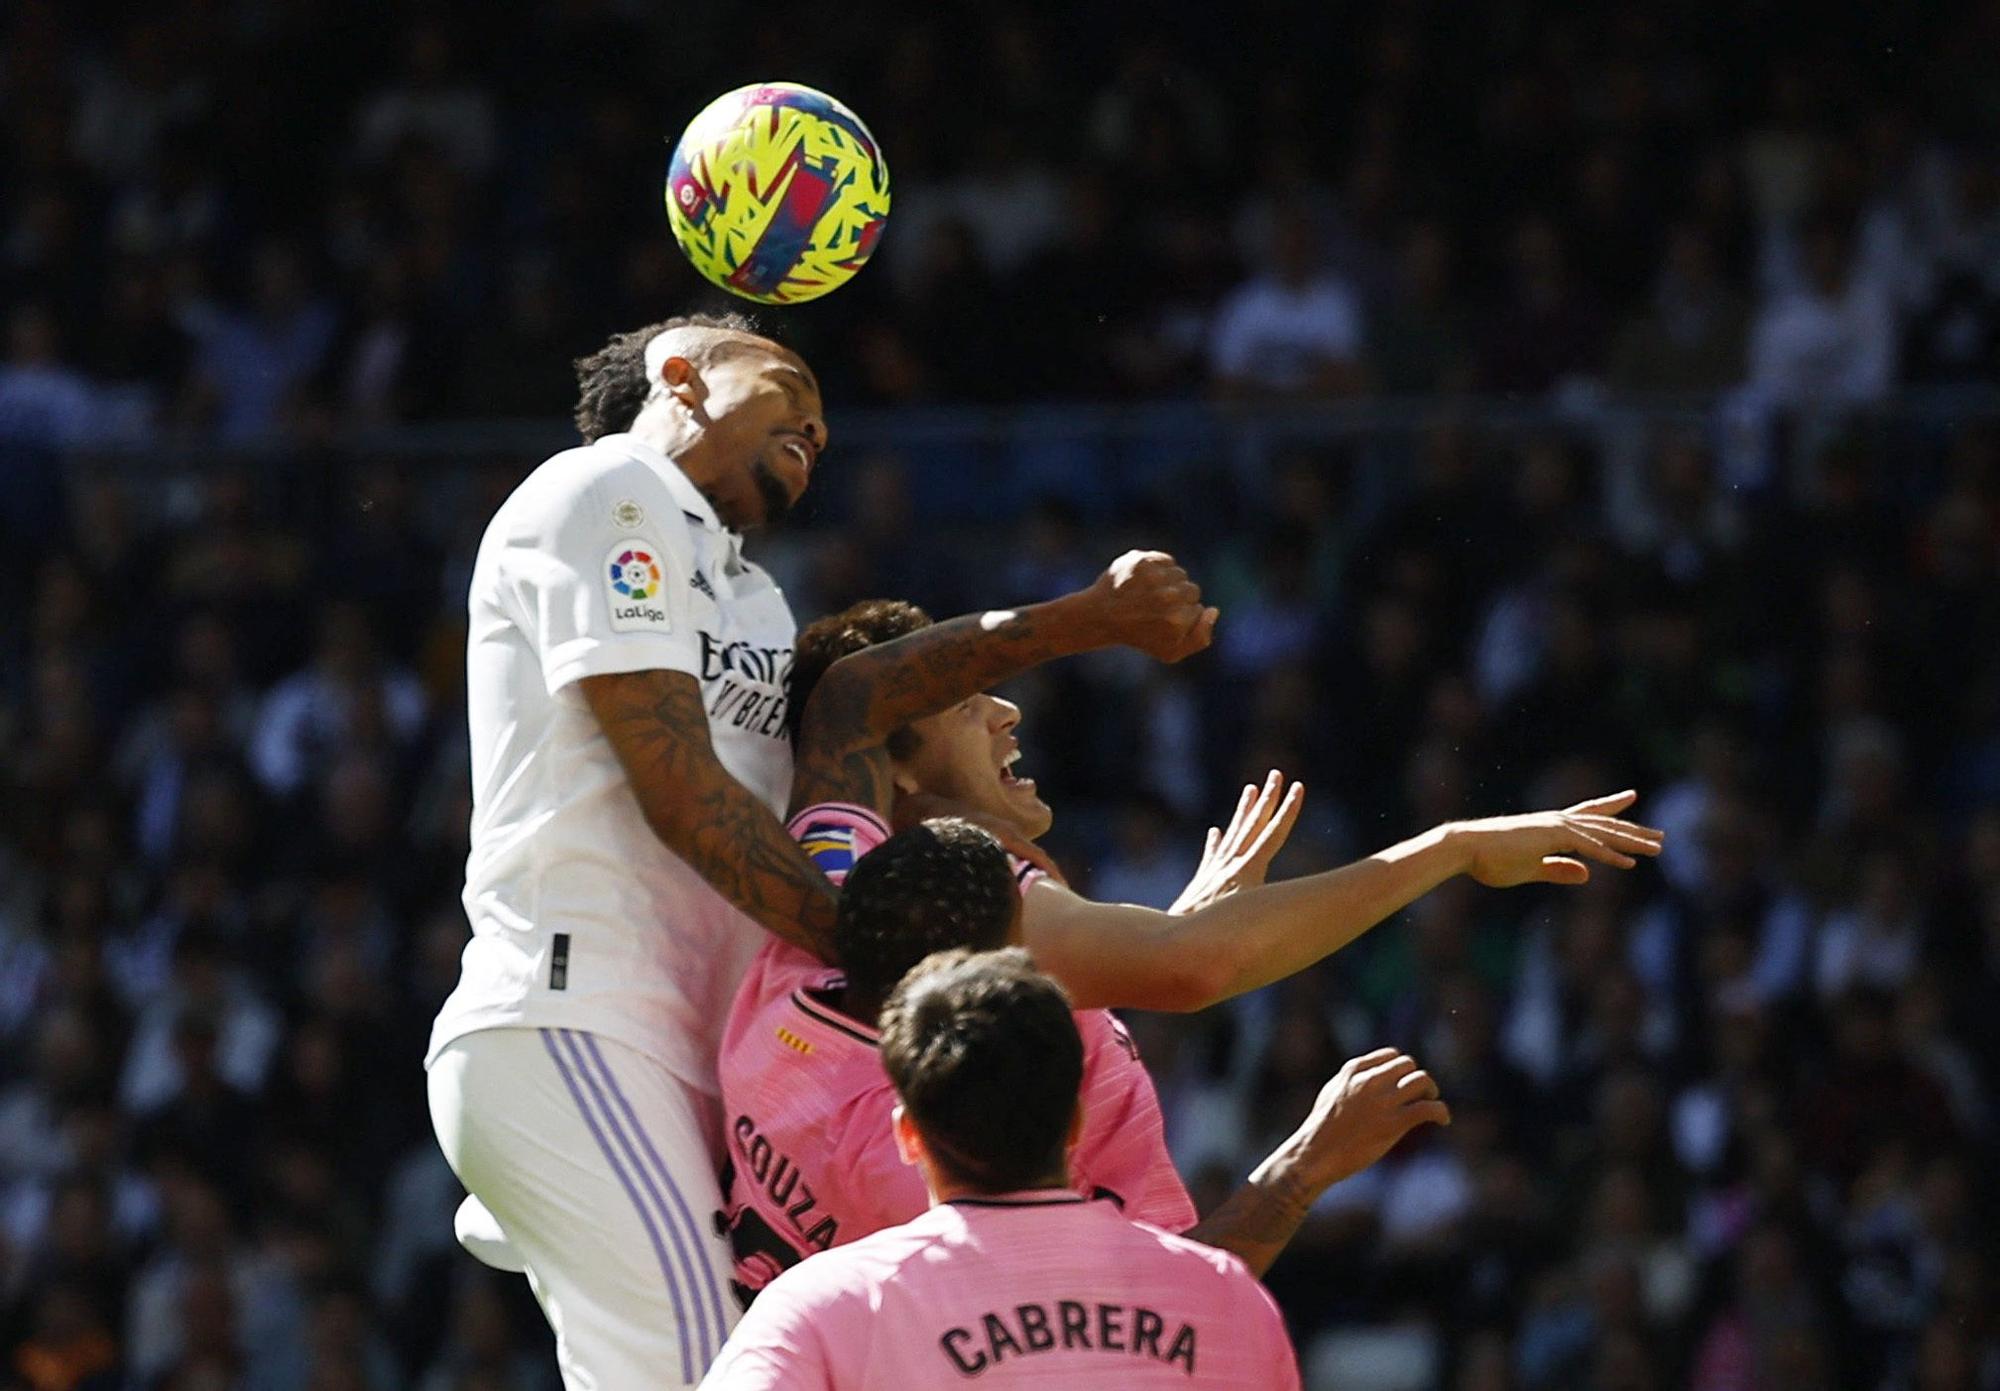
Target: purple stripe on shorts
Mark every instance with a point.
(646, 1217)
(706, 1267)
(708, 1344)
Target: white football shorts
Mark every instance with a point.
(595, 1162)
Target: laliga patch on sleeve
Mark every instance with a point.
(829, 846)
(635, 583)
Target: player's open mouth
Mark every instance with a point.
(1010, 778)
(801, 451)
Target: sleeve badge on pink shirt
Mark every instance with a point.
(829, 846)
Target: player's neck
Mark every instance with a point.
(946, 1189)
(665, 430)
(860, 1006)
(684, 445)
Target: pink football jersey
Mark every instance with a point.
(1024, 1290)
(812, 1163)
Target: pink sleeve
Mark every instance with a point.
(1123, 1149)
(779, 1346)
(1270, 1325)
(836, 834)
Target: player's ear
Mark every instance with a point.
(909, 1144)
(682, 382)
(1075, 1128)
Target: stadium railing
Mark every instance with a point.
(963, 464)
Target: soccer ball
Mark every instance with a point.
(777, 192)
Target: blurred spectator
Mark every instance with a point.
(1421, 342)
(1784, 150)
(1831, 340)
(174, 207)
(143, 356)
(44, 403)
(207, 1034)
(483, 1350)
(1287, 186)
(128, 103)
(1546, 331)
(1079, 330)
(256, 360)
(1145, 865)
(520, 367)
(1156, 90)
(1295, 330)
(432, 103)
(347, 697)
(69, 1343)
(1277, 622)
(1875, 941)
(955, 339)
(1767, 1334)
(1011, 201)
(1869, 1094)
(1692, 336)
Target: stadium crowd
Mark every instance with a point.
(1724, 1123)
(432, 210)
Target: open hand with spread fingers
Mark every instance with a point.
(1239, 855)
(1144, 599)
(1553, 847)
(1365, 1111)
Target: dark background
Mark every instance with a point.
(1554, 398)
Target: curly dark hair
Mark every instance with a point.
(985, 1055)
(611, 382)
(825, 641)
(941, 883)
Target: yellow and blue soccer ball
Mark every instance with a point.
(777, 192)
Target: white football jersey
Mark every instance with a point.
(606, 559)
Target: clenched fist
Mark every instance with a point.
(1370, 1105)
(1145, 600)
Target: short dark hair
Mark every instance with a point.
(854, 629)
(612, 384)
(941, 883)
(985, 1055)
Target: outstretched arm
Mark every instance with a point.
(1143, 599)
(1121, 955)
(1238, 856)
(1370, 1105)
(656, 723)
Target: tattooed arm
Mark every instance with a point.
(656, 722)
(1143, 599)
(1258, 1220)
(658, 726)
(1360, 1115)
